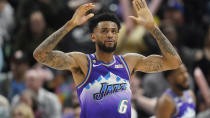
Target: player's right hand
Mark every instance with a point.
(81, 16)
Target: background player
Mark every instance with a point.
(178, 101)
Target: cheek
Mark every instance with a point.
(181, 79)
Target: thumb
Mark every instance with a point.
(89, 15)
(133, 18)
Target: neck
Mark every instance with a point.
(177, 91)
(104, 56)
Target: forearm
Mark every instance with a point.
(154, 6)
(167, 49)
(50, 43)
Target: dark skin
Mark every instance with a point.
(165, 107)
(107, 33)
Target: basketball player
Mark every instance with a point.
(102, 78)
(177, 101)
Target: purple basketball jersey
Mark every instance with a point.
(106, 92)
(185, 107)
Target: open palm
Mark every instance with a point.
(144, 16)
(80, 16)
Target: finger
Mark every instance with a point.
(137, 20)
(133, 18)
(138, 4)
(88, 6)
(144, 2)
(89, 16)
(135, 7)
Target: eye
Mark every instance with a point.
(114, 31)
(103, 30)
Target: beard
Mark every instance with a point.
(106, 49)
(182, 88)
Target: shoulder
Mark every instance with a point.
(165, 107)
(166, 102)
(165, 99)
(76, 54)
(132, 55)
(79, 57)
(133, 58)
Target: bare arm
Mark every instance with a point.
(202, 84)
(154, 6)
(153, 63)
(165, 107)
(56, 59)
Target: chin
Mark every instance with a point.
(182, 87)
(185, 88)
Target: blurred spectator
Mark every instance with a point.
(13, 83)
(204, 62)
(47, 76)
(32, 34)
(6, 28)
(143, 105)
(177, 101)
(64, 87)
(50, 9)
(4, 107)
(70, 104)
(151, 85)
(48, 102)
(22, 111)
(28, 98)
(204, 97)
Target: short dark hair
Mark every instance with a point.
(167, 73)
(106, 16)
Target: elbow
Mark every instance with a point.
(37, 55)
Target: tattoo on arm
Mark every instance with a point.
(52, 41)
(56, 59)
(163, 42)
(44, 52)
(152, 66)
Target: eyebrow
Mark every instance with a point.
(107, 28)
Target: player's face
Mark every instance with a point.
(105, 36)
(181, 78)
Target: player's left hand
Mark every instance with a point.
(144, 16)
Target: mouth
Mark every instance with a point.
(109, 41)
(186, 83)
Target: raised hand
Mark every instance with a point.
(144, 16)
(80, 16)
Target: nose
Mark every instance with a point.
(109, 34)
(186, 75)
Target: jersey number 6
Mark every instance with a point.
(122, 107)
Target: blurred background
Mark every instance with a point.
(31, 90)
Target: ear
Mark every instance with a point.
(92, 36)
(170, 79)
